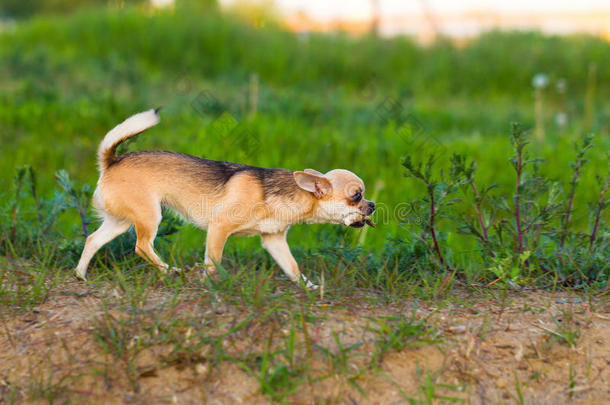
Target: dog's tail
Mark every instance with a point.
(106, 153)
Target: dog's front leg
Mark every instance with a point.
(214, 244)
(277, 246)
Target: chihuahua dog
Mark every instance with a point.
(224, 198)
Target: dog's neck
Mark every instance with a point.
(292, 205)
(313, 212)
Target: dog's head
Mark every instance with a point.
(340, 196)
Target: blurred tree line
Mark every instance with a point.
(27, 8)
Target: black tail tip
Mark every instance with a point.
(158, 109)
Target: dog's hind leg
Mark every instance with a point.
(110, 229)
(146, 230)
(146, 223)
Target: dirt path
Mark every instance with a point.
(536, 348)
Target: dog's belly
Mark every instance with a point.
(270, 225)
(247, 223)
(253, 228)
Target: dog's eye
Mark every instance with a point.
(357, 197)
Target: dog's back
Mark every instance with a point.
(137, 182)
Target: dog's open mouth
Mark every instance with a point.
(366, 221)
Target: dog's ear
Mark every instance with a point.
(314, 172)
(314, 183)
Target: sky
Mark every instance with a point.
(457, 18)
(361, 9)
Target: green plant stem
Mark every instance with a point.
(83, 219)
(435, 240)
(566, 221)
(519, 170)
(35, 195)
(431, 223)
(536, 235)
(15, 209)
(480, 216)
(600, 206)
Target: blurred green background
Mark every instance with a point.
(241, 87)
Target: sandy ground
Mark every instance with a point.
(486, 352)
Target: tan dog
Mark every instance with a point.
(224, 198)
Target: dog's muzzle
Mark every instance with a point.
(370, 208)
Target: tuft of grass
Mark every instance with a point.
(119, 338)
(341, 361)
(396, 333)
(519, 390)
(23, 286)
(430, 387)
(279, 375)
(567, 330)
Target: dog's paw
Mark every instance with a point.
(207, 274)
(80, 276)
(166, 269)
(309, 285)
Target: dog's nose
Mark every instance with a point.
(371, 207)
